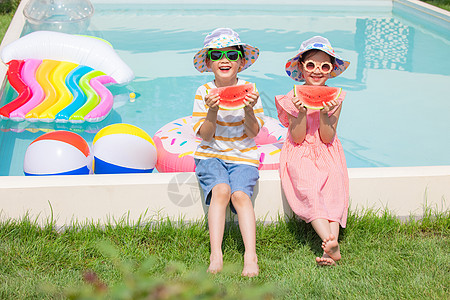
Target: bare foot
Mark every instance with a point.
(331, 247)
(251, 268)
(325, 260)
(215, 264)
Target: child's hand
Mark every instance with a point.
(212, 101)
(329, 106)
(299, 105)
(251, 99)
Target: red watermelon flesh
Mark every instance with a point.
(312, 96)
(232, 97)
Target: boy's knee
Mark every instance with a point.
(222, 192)
(240, 198)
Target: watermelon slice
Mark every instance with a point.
(232, 97)
(312, 96)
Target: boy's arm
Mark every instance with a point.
(208, 128)
(199, 112)
(253, 115)
(250, 123)
(204, 114)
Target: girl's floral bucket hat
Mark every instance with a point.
(319, 43)
(222, 38)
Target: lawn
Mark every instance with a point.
(444, 4)
(383, 258)
(5, 19)
(7, 9)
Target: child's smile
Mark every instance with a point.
(316, 77)
(224, 68)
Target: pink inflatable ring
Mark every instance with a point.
(176, 144)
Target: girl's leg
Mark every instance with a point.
(329, 233)
(220, 198)
(247, 224)
(322, 228)
(331, 245)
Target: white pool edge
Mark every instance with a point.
(105, 198)
(425, 8)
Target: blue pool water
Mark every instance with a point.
(398, 83)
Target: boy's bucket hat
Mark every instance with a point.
(319, 43)
(222, 38)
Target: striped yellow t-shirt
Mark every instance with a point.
(230, 143)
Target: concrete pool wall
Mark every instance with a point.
(105, 198)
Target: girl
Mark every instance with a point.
(312, 164)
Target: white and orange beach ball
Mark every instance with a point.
(57, 153)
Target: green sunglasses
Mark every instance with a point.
(231, 55)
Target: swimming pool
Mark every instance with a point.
(397, 82)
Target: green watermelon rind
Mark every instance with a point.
(338, 92)
(224, 106)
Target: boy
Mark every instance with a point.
(227, 159)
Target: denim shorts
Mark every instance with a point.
(212, 171)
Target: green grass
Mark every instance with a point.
(444, 4)
(7, 9)
(383, 258)
(5, 20)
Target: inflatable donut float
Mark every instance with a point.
(176, 144)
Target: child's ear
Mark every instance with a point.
(208, 63)
(243, 61)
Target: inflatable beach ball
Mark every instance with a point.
(123, 148)
(57, 153)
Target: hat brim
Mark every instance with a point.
(250, 55)
(293, 70)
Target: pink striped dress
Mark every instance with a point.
(313, 174)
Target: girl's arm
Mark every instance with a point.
(208, 128)
(328, 124)
(297, 125)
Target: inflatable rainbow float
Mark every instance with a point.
(60, 77)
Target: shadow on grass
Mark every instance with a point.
(306, 235)
(283, 236)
